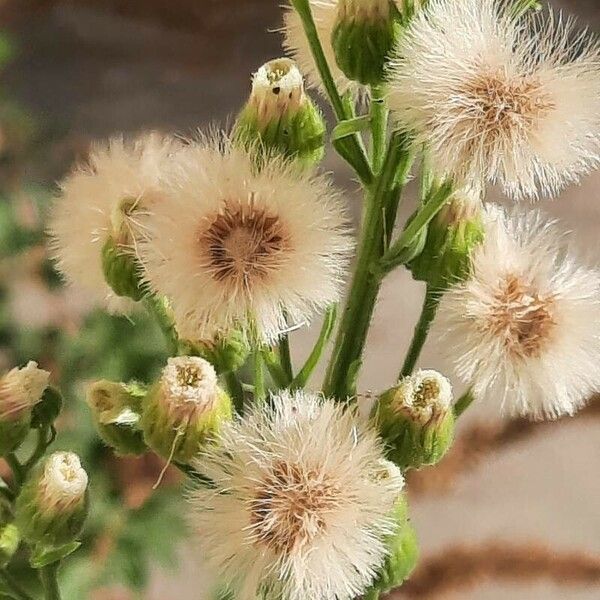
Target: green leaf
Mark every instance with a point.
(45, 555)
(347, 128)
(47, 410)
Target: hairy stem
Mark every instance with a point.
(379, 122)
(48, 575)
(13, 585)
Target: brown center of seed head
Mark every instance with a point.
(290, 507)
(503, 106)
(244, 243)
(427, 392)
(188, 375)
(521, 317)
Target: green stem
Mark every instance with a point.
(158, 310)
(235, 389)
(6, 493)
(463, 403)
(260, 391)
(14, 586)
(350, 148)
(394, 256)
(48, 575)
(364, 289)
(285, 357)
(40, 448)
(313, 360)
(379, 122)
(17, 469)
(430, 305)
(273, 363)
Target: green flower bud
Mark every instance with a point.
(451, 237)
(415, 418)
(225, 353)
(363, 37)
(9, 542)
(20, 391)
(403, 551)
(52, 505)
(121, 270)
(280, 117)
(184, 409)
(116, 410)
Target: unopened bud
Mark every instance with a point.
(52, 505)
(279, 116)
(121, 270)
(363, 37)
(116, 410)
(20, 391)
(226, 353)
(9, 542)
(415, 418)
(451, 238)
(184, 409)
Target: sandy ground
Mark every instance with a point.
(87, 74)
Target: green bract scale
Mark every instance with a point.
(116, 409)
(451, 237)
(415, 418)
(184, 409)
(20, 391)
(363, 37)
(52, 506)
(279, 116)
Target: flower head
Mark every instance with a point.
(325, 14)
(20, 390)
(525, 328)
(497, 98)
(63, 482)
(301, 504)
(105, 199)
(237, 246)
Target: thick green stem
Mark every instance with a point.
(285, 357)
(430, 305)
(364, 289)
(379, 122)
(350, 148)
(260, 391)
(15, 588)
(48, 575)
(158, 310)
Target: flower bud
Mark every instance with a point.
(451, 237)
(120, 269)
(116, 411)
(363, 37)
(184, 409)
(52, 506)
(280, 116)
(20, 391)
(415, 418)
(9, 542)
(225, 353)
(403, 551)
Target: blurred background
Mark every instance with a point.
(512, 512)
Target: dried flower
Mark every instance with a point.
(525, 328)
(184, 409)
(497, 98)
(101, 203)
(237, 247)
(298, 507)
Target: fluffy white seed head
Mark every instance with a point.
(498, 99)
(301, 503)
(525, 328)
(189, 385)
(235, 246)
(105, 197)
(423, 396)
(63, 482)
(20, 390)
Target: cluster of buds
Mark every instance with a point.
(363, 37)
(20, 391)
(53, 503)
(116, 411)
(279, 115)
(416, 420)
(184, 409)
(226, 353)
